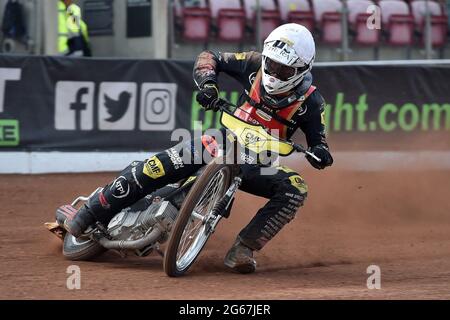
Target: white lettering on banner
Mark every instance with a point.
(117, 102)
(7, 74)
(74, 105)
(158, 103)
(117, 106)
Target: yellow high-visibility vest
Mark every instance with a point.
(73, 20)
(69, 25)
(84, 30)
(63, 33)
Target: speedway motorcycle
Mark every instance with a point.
(182, 215)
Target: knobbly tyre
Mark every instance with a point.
(184, 214)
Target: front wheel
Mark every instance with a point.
(196, 222)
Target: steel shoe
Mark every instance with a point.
(240, 259)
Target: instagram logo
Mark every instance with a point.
(158, 102)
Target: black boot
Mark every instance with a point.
(240, 258)
(81, 222)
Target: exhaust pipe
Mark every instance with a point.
(131, 245)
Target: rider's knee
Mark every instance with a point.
(125, 185)
(154, 167)
(295, 191)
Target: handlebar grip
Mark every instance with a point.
(299, 148)
(302, 149)
(220, 103)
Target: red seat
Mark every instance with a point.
(398, 22)
(328, 17)
(196, 24)
(270, 20)
(217, 5)
(439, 22)
(231, 25)
(357, 7)
(322, 6)
(250, 7)
(331, 28)
(297, 11)
(270, 16)
(439, 29)
(363, 35)
(305, 18)
(418, 9)
(401, 29)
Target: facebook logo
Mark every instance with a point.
(74, 105)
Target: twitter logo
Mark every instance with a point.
(117, 106)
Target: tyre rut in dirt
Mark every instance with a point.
(81, 250)
(217, 176)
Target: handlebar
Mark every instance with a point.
(221, 105)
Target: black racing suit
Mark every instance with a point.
(286, 189)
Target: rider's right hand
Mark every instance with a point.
(208, 96)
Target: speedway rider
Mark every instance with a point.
(279, 94)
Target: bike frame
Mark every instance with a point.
(255, 138)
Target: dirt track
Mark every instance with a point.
(398, 221)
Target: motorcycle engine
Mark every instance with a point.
(132, 224)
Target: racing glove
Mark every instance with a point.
(208, 96)
(322, 152)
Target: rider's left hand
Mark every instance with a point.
(320, 151)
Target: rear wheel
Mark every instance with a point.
(195, 222)
(81, 249)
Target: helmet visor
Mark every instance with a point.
(281, 71)
(278, 70)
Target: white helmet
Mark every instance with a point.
(288, 55)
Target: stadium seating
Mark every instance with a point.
(439, 22)
(356, 7)
(217, 5)
(250, 7)
(231, 25)
(234, 21)
(230, 20)
(270, 16)
(196, 24)
(327, 13)
(398, 22)
(358, 18)
(297, 11)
